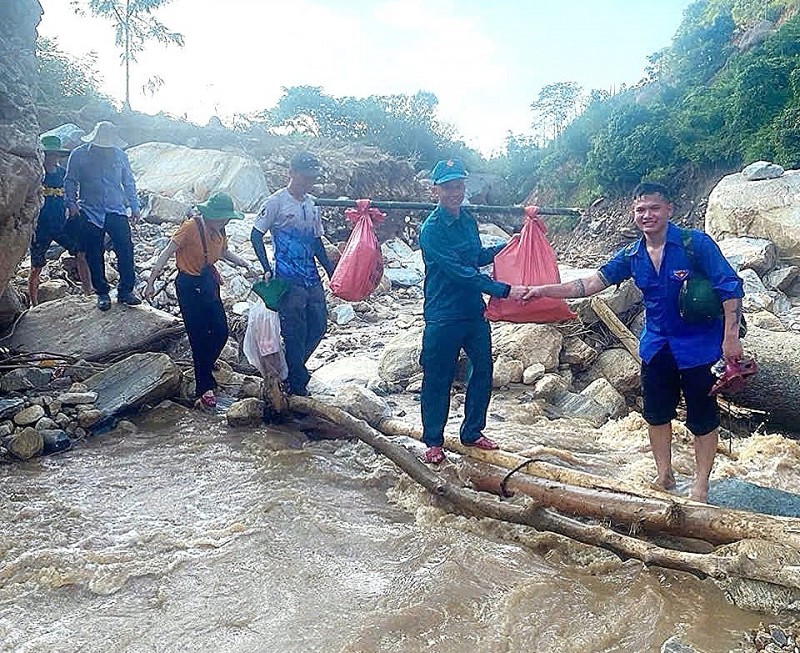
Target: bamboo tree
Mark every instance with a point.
(135, 24)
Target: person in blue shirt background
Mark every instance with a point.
(99, 186)
(453, 311)
(52, 224)
(676, 356)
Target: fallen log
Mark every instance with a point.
(695, 520)
(535, 465)
(664, 513)
(610, 319)
(777, 565)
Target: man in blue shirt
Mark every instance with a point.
(99, 185)
(453, 312)
(676, 355)
(294, 221)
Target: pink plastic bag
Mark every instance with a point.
(360, 269)
(528, 260)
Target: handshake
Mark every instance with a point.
(524, 293)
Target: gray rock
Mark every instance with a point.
(550, 387)
(765, 320)
(403, 277)
(78, 387)
(620, 299)
(400, 358)
(767, 209)
(527, 343)
(20, 162)
(607, 396)
(674, 645)
(343, 314)
(581, 407)
(45, 424)
(506, 371)
(25, 378)
(246, 412)
(359, 369)
(29, 415)
(533, 373)
(77, 398)
(761, 170)
(782, 278)
(577, 353)
(8, 407)
(252, 386)
(52, 290)
(133, 382)
(746, 253)
(25, 444)
(619, 367)
(74, 327)
(6, 428)
(88, 418)
(362, 404)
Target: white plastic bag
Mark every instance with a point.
(262, 341)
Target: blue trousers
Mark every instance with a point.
(304, 319)
(441, 345)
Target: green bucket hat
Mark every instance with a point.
(53, 144)
(219, 207)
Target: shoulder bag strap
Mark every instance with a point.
(688, 246)
(201, 228)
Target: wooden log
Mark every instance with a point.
(695, 520)
(536, 466)
(579, 493)
(610, 319)
(728, 562)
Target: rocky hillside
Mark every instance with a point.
(20, 167)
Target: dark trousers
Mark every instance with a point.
(441, 345)
(304, 319)
(119, 231)
(206, 325)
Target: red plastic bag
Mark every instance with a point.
(360, 269)
(528, 260)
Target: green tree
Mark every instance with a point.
(64, 81)
(404, 125)
(135, 24)
(555, 106)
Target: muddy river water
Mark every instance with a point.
(184, 535)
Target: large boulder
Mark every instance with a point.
(776, 387)
(763, 209)
(400, 357)
(74, 327)
(619, 299)
(133, 382)
(361, 404)
(20, 166)
(747, 253)
(527, 343)
(192, 175)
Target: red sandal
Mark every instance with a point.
(434, 455)
(483, 443)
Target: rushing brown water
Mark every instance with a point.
(187, 536)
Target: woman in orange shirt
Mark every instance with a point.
(197, 244)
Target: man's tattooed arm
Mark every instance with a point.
(578, 288)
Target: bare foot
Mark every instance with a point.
(667, 482)
(699, 492)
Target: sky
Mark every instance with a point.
(486, 60)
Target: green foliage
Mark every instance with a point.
(64, 81)
(403, 125)
(134, 24)
(705, 106)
